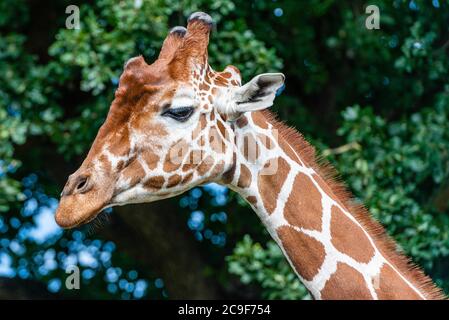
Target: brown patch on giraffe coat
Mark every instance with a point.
(252, 200)
(221, 128)
(346, 284)
(288, 150)
(120, 145)
(349, 238)
(226, 75)
(120, 165)
(215, 141)
(202, 141)
(204, 86)
(134, 172)
(303, 208)
(224, 116)
(175, 156)
(212, 116)
(259, 120)
(194, 158)
(220, 81)
(306, 253)
(218, 169)
(106, 164)
(245, 177)
(187, 178)
(270, 185)
(155, 182)
(200, 126)
(390, 286)
(325, 187)
(242, 121)
(266, 141)
(207, 77)
(250, 148)
(205, 165)
(173, 180)
(228, 176)
(150, 158)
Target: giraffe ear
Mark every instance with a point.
(259, 93)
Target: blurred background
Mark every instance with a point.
(374, 102)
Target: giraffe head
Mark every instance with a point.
(168, 129)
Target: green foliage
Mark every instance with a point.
(398, 172)
(267, 267)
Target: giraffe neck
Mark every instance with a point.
(330, 247)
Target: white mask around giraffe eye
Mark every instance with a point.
(184, 97)
(181, 107)
(258, 94)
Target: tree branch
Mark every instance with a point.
(341, 149)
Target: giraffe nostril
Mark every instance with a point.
(81, 184)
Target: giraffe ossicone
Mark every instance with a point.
(176, 123)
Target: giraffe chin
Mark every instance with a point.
(70, 214)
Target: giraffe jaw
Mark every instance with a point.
(139, 194)
(70, 214)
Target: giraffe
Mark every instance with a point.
(177, 123)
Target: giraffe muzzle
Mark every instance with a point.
(82, 199)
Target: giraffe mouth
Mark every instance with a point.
(69, 220)
(76, 210)
(85, 221)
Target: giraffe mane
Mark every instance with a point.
(329, 174)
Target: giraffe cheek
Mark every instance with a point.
(148, 126)
(175, 156)
(151, 159)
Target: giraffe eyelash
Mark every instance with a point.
(180, 114)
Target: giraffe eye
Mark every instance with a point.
(180, 114)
